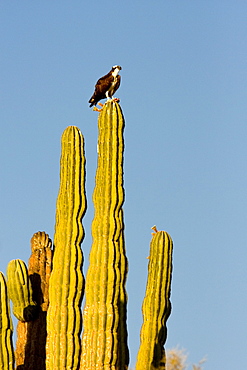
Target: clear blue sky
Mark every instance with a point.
(183, 94)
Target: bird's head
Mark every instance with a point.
(115, 70)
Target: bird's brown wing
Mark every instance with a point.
(117, 84)
(101, 87)
(103, 84)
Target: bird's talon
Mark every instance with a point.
(97, 109)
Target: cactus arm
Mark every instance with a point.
(6, 329)
(104, 343)
(156, 305)
(66, 283)
(20, 291)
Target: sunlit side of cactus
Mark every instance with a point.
(156, 305)
(64, 319)
(104, 342)
(20, 291)
(6, 328)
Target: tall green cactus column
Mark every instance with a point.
(104, 342)
(6, 329)
(156, 306)
(66, 287)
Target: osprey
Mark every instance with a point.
(106, 86)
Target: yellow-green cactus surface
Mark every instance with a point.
(156, 306)
(6, 329)
(104, 342)
(64, 320)
(20, 291)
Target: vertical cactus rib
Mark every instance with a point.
(6, 329)
(20, 291)
(64, 320)
(31, 336)
(104, 342)
(156, 306)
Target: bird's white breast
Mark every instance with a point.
(115, 72)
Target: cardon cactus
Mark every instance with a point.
(20, 291)
(104, 342)
(52, 340)
(6, 328)
(156, 305)
(31, 337)
(64, 321)
(39, 268)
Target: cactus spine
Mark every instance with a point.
(6, 329)
(156, 305)
(104, 342)
(64, 320)
(20, 291)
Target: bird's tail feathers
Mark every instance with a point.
(92, 102)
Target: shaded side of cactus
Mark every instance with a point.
(30, 350)
(20, 291)
(156, 305)
(6, 328)
(104, 342)
(64, 319)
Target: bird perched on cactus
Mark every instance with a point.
(106, 86)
